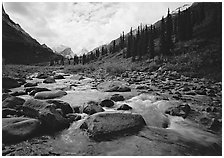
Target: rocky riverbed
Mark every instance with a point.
(136, 113)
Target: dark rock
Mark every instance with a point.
(51, 119)
(190, 93)
(49, 94)
(18, 93)
(104, 123)
(21, 81)
(12, 102)
(200, 92)
(30, 84)
(49, 80)
(41, 76)
(17, 129)
(56, 77)
(117, 97)
(185, 88)
(73, 117)
(142, 87)
(76, 109)
(65, 107)
(91, 107)
(8, 82)
(181, 110)
(107, 103)
(124, 107)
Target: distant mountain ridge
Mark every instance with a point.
(18, 47)
(63, 50)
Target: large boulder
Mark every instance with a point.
(18, 128)
(117, 97)
(50, 94)
(49, 80)
(5, 95)
(50, 116)
(114, 86)
(91, 107)
(41, 75)
(65, 107)
(104, 123)
(12, 102)
(8, 82)
(107, 103)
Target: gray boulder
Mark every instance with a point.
(117, 97)
(114, 86)
(19, 128)
(30, 84)
(65, 107)
(104, 123)
(49, 94)
(12, 102)
(107, 103)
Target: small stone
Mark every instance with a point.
(124, 107)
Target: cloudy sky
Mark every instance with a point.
(83, 24)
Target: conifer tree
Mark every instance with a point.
(169, 29)
(151, 42)
(162, 37)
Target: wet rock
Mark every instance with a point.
(8, 82)
(114, 86)
(12, 102)
(104, 123)
(76, 109)
(142, 87)
(73, 117)
(124, 107)
(107, 103)
(117, 97)
(49, 80)
(65, 107)
(17, 129)
(30, 84)
(18, 93)
(57, 77)
(41, 75)
(49, 94)
(91, 107)
(181, 110)
(51, 119)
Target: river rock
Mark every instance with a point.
(41, 75)
(73, 117)
(30, 84)
(9, 111)
(104, 123)
(107, 103)
(65, 107)
(33, 90)
(124, 107)
(18, 93)
(57, 77)
(50, 94)
(114, 86)
(12, 102)
(8, 82)
(49, 80)
(117, 97)
(16, 129)
(91, 107)
(181, 110)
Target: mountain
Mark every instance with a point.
(83, 51)
(18, 47)
(63, 50)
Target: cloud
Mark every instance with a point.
(82, 24)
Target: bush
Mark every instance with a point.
(114, 68)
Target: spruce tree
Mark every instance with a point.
(162, 38)
(151, 42)
(169, 29)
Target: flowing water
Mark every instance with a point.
(162, 135)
